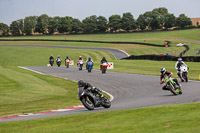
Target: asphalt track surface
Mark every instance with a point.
(118, 54)
(129, 90)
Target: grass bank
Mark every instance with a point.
(183, 118)
(22, 92)
(26, 56)
(149, 37)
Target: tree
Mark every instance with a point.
(4, 29)
(102, 24)
(115, 22)
(183, 21)
(30, 24)
(65, 24)
(90, 24)
(76, 25)
(170, 21)
(52, 26)
(42, 24)
(21, 26)
(128, 22)
(17, 27)
(141, 23)
(160, 15)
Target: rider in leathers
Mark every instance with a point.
(167, 73)
(178, 64)
(51, 59)
(102, 61)
(89, 59)
(89, 87)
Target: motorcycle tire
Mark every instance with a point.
(104, 70)
(106, 103)
(186, 77)
(172, 89)
(89, 69)
(87, 103)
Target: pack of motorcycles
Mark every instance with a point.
(92, 100)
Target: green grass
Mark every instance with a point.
(129, 48)
(22, 92)
(148, 67)
(150, 37)
(27, 56)
(182, 118)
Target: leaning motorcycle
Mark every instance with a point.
(104, 67)
(92, 100)
(172, 86)
(89, 66)
(184, 72)
(80, 64)
(67, 63)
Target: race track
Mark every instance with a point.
(129, 90)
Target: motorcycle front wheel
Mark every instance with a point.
(172, 89)
(87, 103)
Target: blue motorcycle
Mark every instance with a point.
(89, 66)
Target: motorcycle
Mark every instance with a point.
(67, 63)
(80, 64)
(104, 67)
(89, 66)
(184, 73)
(51, 62)
(92, 100)
(172, 86)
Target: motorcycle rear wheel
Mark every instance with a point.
(106, 103)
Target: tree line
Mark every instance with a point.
(157, 19)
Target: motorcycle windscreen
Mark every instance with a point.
(80, 91)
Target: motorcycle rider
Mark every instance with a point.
(167, 73)
(178, 64)
(58, 59)
(89, 87)
(67, 58)
(51, 59)
(103, 61)
(89, 59)
(80, 58)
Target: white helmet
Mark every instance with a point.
(80, 56)
(163, 70)
(179, 59)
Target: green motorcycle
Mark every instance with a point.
(172, 86)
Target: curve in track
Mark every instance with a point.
(129, 90)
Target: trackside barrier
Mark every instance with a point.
(110, 65)
(163, 58)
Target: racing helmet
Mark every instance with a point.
(81, 83)
(163, 70)
(179, 59)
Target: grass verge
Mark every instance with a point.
(181, 118)
(22, 92)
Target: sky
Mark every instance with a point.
(11, 10)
